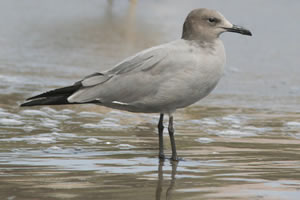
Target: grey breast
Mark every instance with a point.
(162, 78)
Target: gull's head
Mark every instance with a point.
(207, 25)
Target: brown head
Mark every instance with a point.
(207, 25)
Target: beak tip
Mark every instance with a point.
(248, 33)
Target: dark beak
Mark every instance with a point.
(239, 29)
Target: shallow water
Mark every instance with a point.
(241, 142)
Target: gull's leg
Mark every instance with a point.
(172, 139)
(160, 135)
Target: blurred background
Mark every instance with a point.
(242, 137)
(50, 44)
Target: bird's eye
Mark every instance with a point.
(212, 20)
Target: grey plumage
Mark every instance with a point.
(160, 79)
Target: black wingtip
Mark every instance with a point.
(37, 96)
(58, 100)
(42, 101)
(65, 91)
(30, 103)
(55, 97)
(25, 104)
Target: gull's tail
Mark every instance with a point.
(54, 97)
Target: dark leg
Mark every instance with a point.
(160, 134)
(171, 134)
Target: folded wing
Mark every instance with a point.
(116, 85)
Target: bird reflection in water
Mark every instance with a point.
(159, 188)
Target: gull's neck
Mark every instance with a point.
(210, 44)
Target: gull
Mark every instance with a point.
(160, 79)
